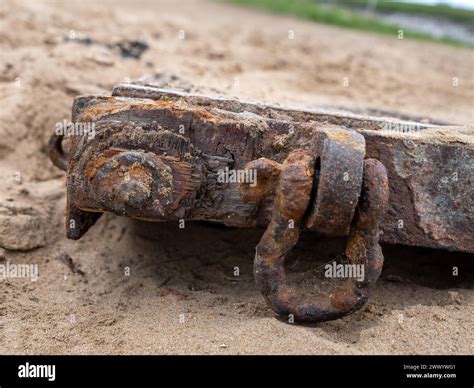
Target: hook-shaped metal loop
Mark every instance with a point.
(290, 203)
(56, 152)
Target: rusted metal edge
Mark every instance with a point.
(347, 119)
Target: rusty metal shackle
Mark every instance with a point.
(292, 195)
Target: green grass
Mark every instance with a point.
(436, 10)
(342, 17)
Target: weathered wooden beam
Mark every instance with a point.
(430, 168)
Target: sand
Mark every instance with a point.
(132, 288)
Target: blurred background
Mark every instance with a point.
(444, 20)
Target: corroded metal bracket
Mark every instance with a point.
(159, 155)
(347, 193)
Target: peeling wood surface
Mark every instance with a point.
(430, 168)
